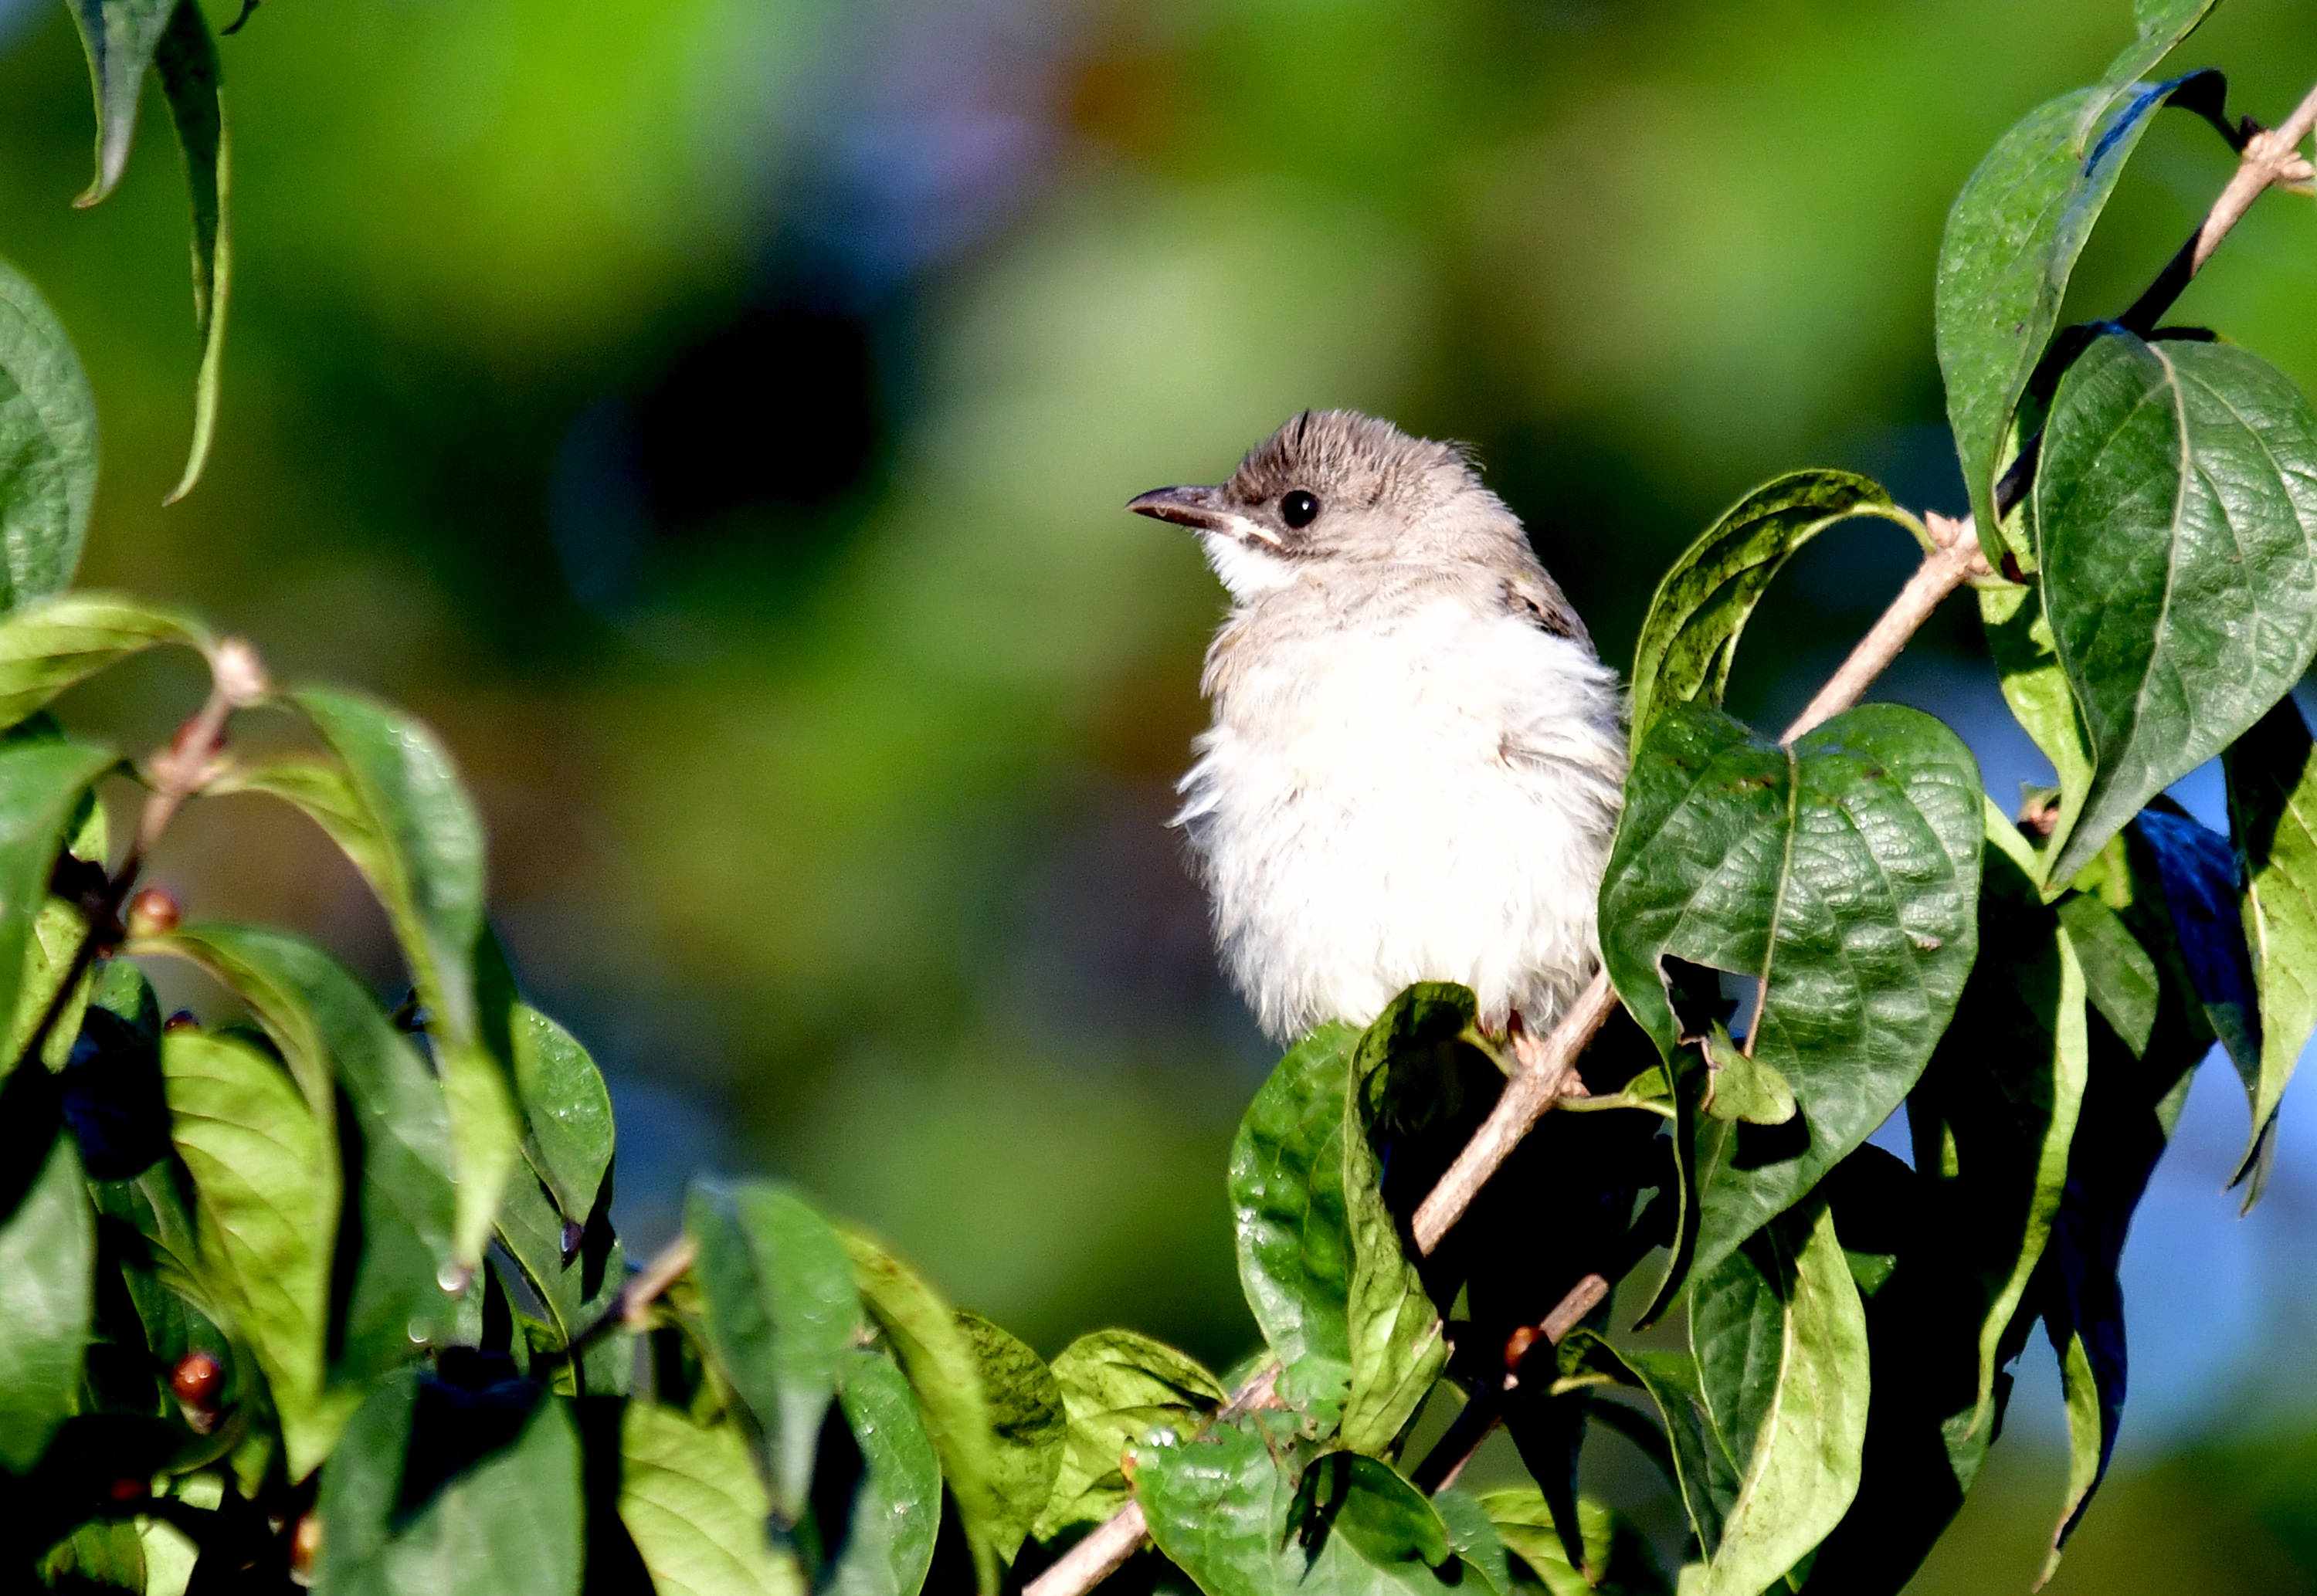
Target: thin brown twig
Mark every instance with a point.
(1549, 1063)
(1480, 1416)
(176, 772)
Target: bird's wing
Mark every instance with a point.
(1537, 598)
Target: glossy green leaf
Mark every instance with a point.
(889, 1539)
(265, 1184)
(944, 1368)
(330, 1029)
(41, 787)
(1996, 1112)
(119, 37)
(1117, 1387)
(2019, 639)
(52, 949)
(691, 1499)
(1908, 1239)
(1689, 639)
(1843, 873)
(2195, 871)
(104, 1554)
(1235, 1512)
(509, 1522)
(1027, 1424)
(393, 802)
(1473, 1536)
(2091, 1434)
(1620, 1557)
(776, 1293)
(186, 62)
(48, 446)
(48, 645)
(2176, 516)
(1704, 1471)
(2272, 786)
(1398, 1343)
(567, 1109)
(1780, 1338)
(2010, 246)
(1290, 1219)
(576, 1270)
(2163, 25)
(48, 1262)
(2119, 977)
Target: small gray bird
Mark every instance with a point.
(1415, 760)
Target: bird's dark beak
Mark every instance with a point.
(1203, 509)
(1198, 508)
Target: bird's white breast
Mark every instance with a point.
(1426, 794)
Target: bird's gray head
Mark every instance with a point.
(1335, 485)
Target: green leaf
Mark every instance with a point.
(1290, 1223)
(41, 787)
(2272, 785)
(1908, 1235)
(265, 1184)
(1996, 1112)
(1690, 638)
(1117, 1387)
(1473, 1536)
(1620, 1557)
(48, 1264)
(576, 1270)
(2019, 639)
(330, 1029)
(889, 1543)
(1704, 1471)
(187, 65)
(1229, 1510)
(2010, 247)
(2119, 977)
(2195, 873)
(1398, 1343)
(2163, 24)
(691, 1499)
(776, 1291)
(2176, 516)
(508, 1522)
(101, 1555)
(48, 446)
(1782, 1353)
(119, 37)
(943, 1365)
(1743, 1088)
(567, 1110)
(1026, 1422)
(394, 804)
(58, 931)
(48, 645)
(1843, 874)
(2092, 1415)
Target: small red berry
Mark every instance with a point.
(183, 1020)
(197, 1379)
(153, 912)
(1517, 1346)
(305, 1543)
(128, 1490)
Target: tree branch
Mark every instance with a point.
(1548, 1063)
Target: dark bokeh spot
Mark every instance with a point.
(778, 409)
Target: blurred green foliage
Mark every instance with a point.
(880, 729)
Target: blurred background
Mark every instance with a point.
(715, 415)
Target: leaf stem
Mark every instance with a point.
(1486, 1410)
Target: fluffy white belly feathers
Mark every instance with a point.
(1414, 767)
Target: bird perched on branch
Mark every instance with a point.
(1414, 768)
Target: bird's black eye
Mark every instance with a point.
(1299, 509)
